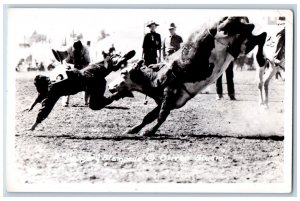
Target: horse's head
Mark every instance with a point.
(234, 32)
(231, 26)
(129, 79)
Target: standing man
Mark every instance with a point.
(79, 55)
(112, 50)
(279, 56)
(229, 78)
(230, 84)
(171, 43)
(152, 45)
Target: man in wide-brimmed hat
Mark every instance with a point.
(152, 45)
(171, 43)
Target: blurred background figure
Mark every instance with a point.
(172, 43)
(279, 53)
(112, 50)
(279, 57)
(152, 45)
(78, 55)
(41, 66)
(280, 39)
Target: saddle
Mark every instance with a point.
(164, 74)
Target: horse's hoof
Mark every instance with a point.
(129, 131)
(29, 129)
(148, 133)
(264, 106)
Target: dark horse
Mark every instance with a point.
(201, 60)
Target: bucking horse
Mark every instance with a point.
(202, 59)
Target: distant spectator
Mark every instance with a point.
(172, 43)
(41, 67)
(152, 45)
(77, 54)
(279, 57)
(112, 50)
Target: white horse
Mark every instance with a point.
(275, 64)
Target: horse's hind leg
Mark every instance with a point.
(150, 117)
(261, 60)
(267, 78)
(260, 72)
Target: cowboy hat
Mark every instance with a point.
(172, 26)
(152, 22)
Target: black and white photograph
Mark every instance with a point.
(149, 100)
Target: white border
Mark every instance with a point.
(275, 188)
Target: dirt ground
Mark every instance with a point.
(205, 141)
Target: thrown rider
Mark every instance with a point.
(90, 79)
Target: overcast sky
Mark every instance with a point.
(58, 22)
(127, 26)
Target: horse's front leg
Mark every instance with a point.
(150, 117)
(260, 58)
(164, 112)
(260, 80)
(267, 78)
